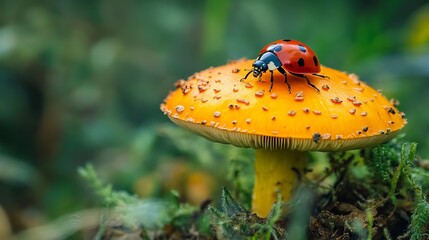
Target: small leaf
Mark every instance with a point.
(230, 206)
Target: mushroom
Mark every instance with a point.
(281, 126)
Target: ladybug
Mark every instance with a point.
(287, 55)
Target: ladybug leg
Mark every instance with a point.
(282, 71)
(320, 75)
(271, 80)
(306, 78)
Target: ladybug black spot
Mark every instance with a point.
(316, 62)
(286, 40)
(301, 62)
(302, 48)
(274, 48)
(278, 48)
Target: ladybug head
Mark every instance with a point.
(259, 67)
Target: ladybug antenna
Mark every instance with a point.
(251, 70)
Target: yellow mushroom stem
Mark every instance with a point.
(275, 171)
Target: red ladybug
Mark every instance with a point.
(291, 55)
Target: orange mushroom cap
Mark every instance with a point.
(345, 114)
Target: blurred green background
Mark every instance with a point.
(81, 81)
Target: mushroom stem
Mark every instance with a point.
(275, 170)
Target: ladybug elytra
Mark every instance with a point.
(287, 55)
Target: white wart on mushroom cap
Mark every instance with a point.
(346, 114)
